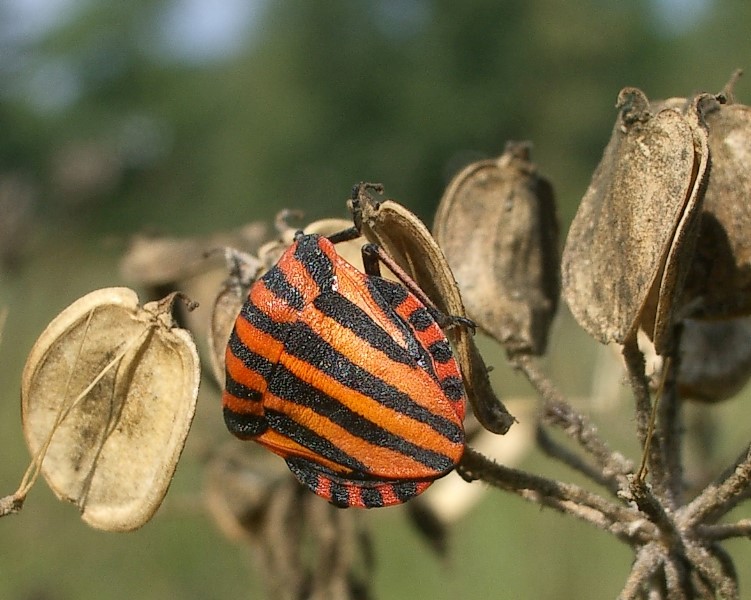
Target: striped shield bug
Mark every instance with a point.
(346, 375)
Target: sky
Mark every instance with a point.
(206, 30)
(191, 32)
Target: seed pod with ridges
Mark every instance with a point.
(497, 226)
(406, 239)
(632, 239)
(108, 396)
(245, 269)
(719, 283)
(715, 358)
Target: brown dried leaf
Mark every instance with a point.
(108, 395)
(715, 358)
(633, 236)
(497, 226)
(406, 239)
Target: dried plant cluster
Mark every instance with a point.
(657, 252)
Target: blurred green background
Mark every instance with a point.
(189, 116)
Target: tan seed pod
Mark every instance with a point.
(245, 269)
(406, 239)
(715, 358)
(497, 226)
(108, 396)
(160, 261)
(632, 239)
(719, 283)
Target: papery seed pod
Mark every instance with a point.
(632, 239)
(160, 261)
(714, 358)
(406, 239)
(160, 265)
(719, 283)
(245, 269)
(497, 226)
(108, 396)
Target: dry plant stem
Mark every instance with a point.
(555, 450)
(676, 579)
(670, 429)
(637, 377)
(725, 531)
(634, 360)
(725, 562)
(713, 572)
(669, 432)
(648, 562)
(650, 505)
(559, 413)
(717, 499)
(11, 504)
(626, 524)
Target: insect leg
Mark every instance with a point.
(373, 253)
(359, 190)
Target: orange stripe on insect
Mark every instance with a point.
(376, 459)
(248, 377)
(299, 277)
(351, 285)
(263, 344)
(284, 447)
(410, 380)
(270, 304)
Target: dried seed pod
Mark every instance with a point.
(108, 395)
(406, 239)
(245, 269)
(160, 261)
(715, 358)
(719, 283)
(497, 226)
(632, 239)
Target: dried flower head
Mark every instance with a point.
(497, 225)
(108, 396)
(632, 239)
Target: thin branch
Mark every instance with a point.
(725, 531)
(670, 426)
(676, 579)
(634, 360)
(555, 450)
(637, 377)
(650, 505)
(717, 499)
(559, 413)
(724, 561)
(713, 571)
(626, 524)
(648, 561)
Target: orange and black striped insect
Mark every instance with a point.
(346, 375)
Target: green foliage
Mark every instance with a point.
(325, 94)
(322, 95)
